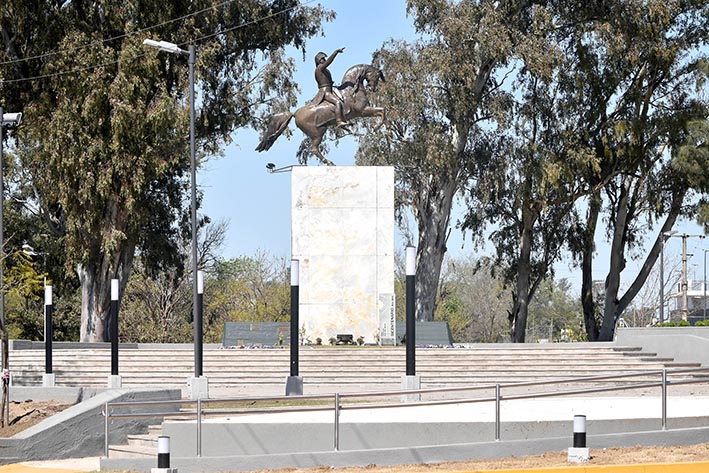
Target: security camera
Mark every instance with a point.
(270, 167)
(11, 119)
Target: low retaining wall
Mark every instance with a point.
(78, 431)
(684, 344)
(413, 455)
(244, 438)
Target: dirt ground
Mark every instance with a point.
(25, 414)
(610, 456)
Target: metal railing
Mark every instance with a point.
(337, 400)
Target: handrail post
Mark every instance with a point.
(337, 422)
(497, 412)
(199, 427)
(105, 430)
(664, 399)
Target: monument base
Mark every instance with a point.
(410, 383)
(115, 381)
(294, 386)
(198, 387)
(578, 455)
(49, 380)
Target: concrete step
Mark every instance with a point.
(132, 451)
(144, 440)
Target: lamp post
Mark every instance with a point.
(7, 120)
(196, 314)
(704, 283)
(683, 284)
(665, 236)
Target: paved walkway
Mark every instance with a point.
(71, 465)
(546, 409)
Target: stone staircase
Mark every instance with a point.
(332, 369)
(259, 371)
(139, 445)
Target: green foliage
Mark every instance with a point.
(555, 314)
(157, 307)
(472, 301)
(104, 138)
(681, 323)
(702, 323)
(246, 289)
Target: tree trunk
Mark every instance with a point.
(95, 280)
(524, 275)
(617, 264)
(589, 246)
(615, 305)
(433, 218)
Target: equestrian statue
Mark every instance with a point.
(332, 106)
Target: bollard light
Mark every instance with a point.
(114, 327)
(579, 453)
(48, 335)
(410, 310)
(163, 456)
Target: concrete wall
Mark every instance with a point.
(79, 431)
(343, 236)
(684, 344)
(245, 438)
(412, 455)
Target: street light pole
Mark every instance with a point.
(704, 284)
(196, 314)
(665, 236)
(6, 120)
(683, 284)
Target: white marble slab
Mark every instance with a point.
(343, 235)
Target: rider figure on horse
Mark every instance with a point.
(325, 83)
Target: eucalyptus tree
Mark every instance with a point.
(443, 98)
(635, 77)
(105, 136)
(531, 186)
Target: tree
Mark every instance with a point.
(554, 313)
(639, 69)
(472, 301)
(443, 92)
(104, 137)
(530, 203)
(246, 289)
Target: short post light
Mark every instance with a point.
(294, 383)
(199, 326)
(114, 380)
(163, 456)
(579, 453)
(411, 382)
(48, 379)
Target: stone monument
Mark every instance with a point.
(343, 237)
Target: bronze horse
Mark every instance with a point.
(314, 119)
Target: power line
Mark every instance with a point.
(110, 63)
(125, 35)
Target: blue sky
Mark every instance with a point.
(237, 187)
(256, 204)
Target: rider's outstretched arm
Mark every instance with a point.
(332, 56)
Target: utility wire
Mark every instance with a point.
(110, 63)
(125, 35)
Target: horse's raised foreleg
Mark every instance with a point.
(315, 149)
(375, 112)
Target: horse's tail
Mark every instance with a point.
(276, 126)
